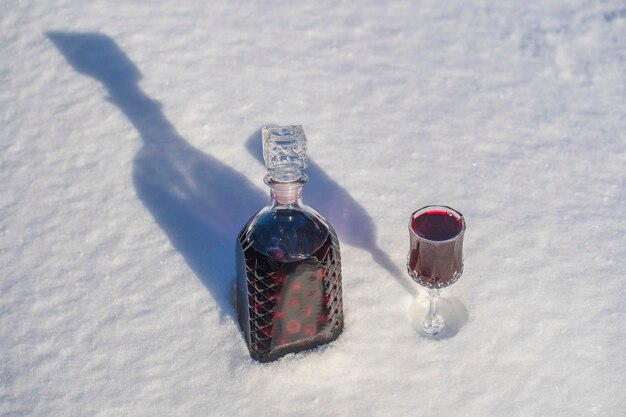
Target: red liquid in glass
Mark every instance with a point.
(436, 252)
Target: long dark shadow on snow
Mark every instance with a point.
(351, 221)
(198, 201)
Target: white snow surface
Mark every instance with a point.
(130, 159)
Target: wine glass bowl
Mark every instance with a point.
(435, 258)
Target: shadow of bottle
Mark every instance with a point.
(352, 223)
(198, 201)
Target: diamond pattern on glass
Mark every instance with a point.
(293, 303)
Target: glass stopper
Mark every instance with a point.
(284, 152)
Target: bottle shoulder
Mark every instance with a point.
(288, 232)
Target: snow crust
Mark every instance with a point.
(130, 156)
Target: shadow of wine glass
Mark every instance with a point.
(198, 201)
(351, 221)
(452, 310)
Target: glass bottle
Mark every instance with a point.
(289, 295)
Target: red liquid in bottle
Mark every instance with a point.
(288, 303)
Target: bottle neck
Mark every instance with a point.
(286, 193)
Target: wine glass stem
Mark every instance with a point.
(433, 323)
(433, 296)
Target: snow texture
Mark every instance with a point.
(131, 156)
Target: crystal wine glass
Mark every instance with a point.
(435, 257)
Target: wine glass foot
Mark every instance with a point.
(433, 326)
